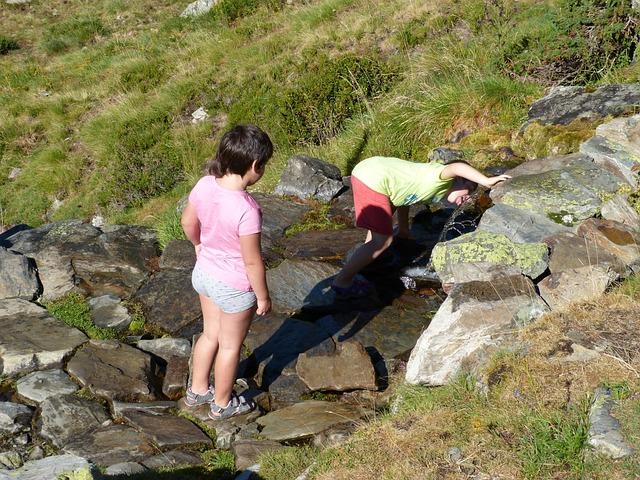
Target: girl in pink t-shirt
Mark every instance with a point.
(224, 222)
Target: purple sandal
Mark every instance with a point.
(359, 288)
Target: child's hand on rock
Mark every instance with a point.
(264, 306)
(493, 181)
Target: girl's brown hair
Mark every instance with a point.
(238, 149)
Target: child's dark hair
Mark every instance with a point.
(238, 149)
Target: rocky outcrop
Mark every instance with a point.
(199, 7)
(307, 177)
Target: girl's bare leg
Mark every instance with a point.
(375, 244)
(206, 348)
(233, 330)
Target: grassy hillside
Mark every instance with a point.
(96, 97)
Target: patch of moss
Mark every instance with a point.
(74, 310)
(315, 219)
(538, 140)
(480, 246)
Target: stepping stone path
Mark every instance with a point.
(563, 227)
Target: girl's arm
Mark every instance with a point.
(467, 171)
(191, 225)
(252, 257)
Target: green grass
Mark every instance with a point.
(315, 219)
(7, 44)
(74, 310)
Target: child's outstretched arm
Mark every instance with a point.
(191, 226)
(252, 257)
(465, 170)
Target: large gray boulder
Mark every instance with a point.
(307, 177)
(613, 238)
(197, 8)
(568, 286)
(616, 146)
(482, 256)
(565, 104)
(475, 319)
(18, 277)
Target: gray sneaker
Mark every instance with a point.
(194, 399)
(238, 405)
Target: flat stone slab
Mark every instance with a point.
(107, 311)
(604, 430)
(64, 418)
(16, 307)
(565, 104)
(38, 386)
(473, 255)
(306, 419)
(166, 348)
(118, 408)
(50, 468)
(295, 284)
(326, 245)
(341, 367)
(475, 319)
(112, 444)
(167, 431)
(561, 289)
(170, 302)
(114, 371)
(246, 452)
(616, 145)
(34, 342)
(172, 459)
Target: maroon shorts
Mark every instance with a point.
(373, 209)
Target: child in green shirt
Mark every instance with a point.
(382, 186)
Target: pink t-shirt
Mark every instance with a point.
(224, 216)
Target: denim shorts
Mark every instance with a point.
(227, 298)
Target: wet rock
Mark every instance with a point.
(108, 311)
(14, 418)
(604, 430)
(199, 7)
(246, 452)
(178, 255)
(473, 256)
(172, 459)
(565, 196)
(327, 245)
(619, 210)
(125, 468)
(616, 146)
(519, 225)
(50, 468)
(38, 386)
(113, 370)
(345, 366)
(565, 104)
(167, 431)
(306, 419)
(570, 251)
(614, 238)
(170, 302)
(111, 444)
(67, 417)
(307, 177)
(278, 214)
(475, 319)
(18, 277)
(295, 284)
(568, 286)
(24, 348)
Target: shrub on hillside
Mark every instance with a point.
(331, 91)
(7, 44)
(576, 42)
(72, 33)
(231, 10)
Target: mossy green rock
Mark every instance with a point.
(487, 251)
(566, 196)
